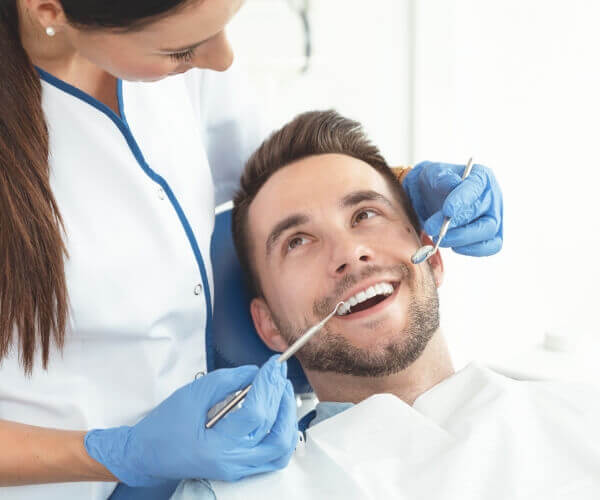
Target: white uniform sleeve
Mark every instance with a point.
(230, 123)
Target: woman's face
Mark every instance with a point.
(192, 37)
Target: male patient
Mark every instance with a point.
(321, 218)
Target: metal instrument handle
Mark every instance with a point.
(446, 222)
(218, 411)
(229, 405)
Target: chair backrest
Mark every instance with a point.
(233, 340)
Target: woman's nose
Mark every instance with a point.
(219, 53)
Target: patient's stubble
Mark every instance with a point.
(330, 351)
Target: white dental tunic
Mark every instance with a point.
(136, 196)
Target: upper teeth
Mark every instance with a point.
(378, 289)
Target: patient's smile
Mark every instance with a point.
(369, 300)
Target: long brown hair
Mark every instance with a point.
(33, 290)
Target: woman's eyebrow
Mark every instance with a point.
(184, 49)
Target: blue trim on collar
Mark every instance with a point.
(160, 492)
(306, 420)
(122, 125)
(120, 99)
(80, 94)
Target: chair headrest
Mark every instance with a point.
(233, 340)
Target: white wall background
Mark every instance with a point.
(515, 84)
(359, 66)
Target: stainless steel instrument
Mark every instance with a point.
(221, 409)
(426, 251)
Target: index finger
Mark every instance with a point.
(465, 195)
(260, 407)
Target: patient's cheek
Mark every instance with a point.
(407, 233)
(407, 238)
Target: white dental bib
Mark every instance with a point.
(477, 435)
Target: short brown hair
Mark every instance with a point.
(309, 134)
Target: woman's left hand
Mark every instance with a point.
(475, 205)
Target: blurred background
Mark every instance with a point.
(516, 85)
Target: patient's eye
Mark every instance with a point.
(296, 241)
(363, 215)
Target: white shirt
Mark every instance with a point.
(136, 196)
(477, 435)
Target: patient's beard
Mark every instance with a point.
(333, 353)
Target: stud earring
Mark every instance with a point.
(50, 31)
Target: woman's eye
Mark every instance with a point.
(362, 215)
(296, 241)
(183, 56)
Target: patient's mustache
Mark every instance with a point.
(324, 306)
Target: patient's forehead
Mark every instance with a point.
(313, 185)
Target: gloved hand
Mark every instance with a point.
(475, 205)
(171, 442)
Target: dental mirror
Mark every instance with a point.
(426, 251)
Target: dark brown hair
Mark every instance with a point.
(309, 134)
(33, 291)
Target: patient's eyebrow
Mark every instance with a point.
(356, 197)
(283, 225)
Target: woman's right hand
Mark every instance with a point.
(171, 442)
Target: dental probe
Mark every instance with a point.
(221, 409)
(426, 251)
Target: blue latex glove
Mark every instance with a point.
(171, 442)
(475, 205)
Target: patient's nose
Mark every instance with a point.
(347, 258)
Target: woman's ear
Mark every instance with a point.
(49, 13)
(436, 263)
(265, 326)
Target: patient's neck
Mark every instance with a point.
(433, 366)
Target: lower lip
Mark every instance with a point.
(372, 310)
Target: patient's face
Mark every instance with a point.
(326, 229)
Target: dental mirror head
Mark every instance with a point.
(426, 251)
(422, 254)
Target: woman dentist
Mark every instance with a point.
(106, 214)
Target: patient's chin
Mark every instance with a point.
(335, 354)
(376, 334)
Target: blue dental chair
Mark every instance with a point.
(233, 340)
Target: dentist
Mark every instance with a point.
(106, 215)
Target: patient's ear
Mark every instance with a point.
(265, 326)
(436, 264)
